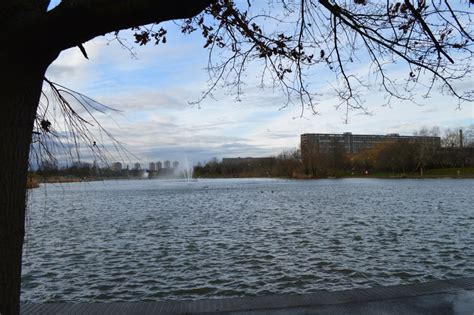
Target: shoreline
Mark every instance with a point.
(470, 176)
(34, 181)
(437, 173)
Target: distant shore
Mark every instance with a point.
(34, 181)
(351, 176)
(455, 173)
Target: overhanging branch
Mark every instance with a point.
(74, 22)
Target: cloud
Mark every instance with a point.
(146, 99)
(72, 69)
(200, 154)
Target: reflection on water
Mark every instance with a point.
(154, 240)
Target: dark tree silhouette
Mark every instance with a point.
(286, 38)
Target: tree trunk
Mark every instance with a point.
(20, 90)
(31, 39)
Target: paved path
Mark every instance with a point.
(437, 297)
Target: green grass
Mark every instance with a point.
(453, 171)
(438, 172)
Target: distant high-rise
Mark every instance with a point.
(159, 165)
(152, 167)
(175, 164)
(136, 166)
(167, 164)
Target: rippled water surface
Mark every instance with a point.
(157, 240)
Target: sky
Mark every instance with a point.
(153, 92)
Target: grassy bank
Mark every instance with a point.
(466, 172)
(449, 172)
(34, 180)
(454, 172)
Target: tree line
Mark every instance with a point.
(286, 164)
(48, 170)
(391, 158)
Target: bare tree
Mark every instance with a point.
(450, 138)
(433, 40)
(288, 39)
(469, 136)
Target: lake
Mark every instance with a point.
(150, 240)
